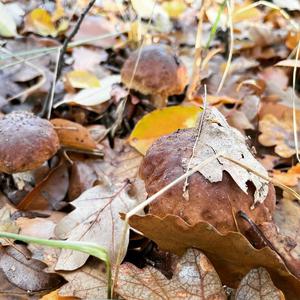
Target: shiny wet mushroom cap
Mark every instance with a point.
(26, 141)
(160, 73)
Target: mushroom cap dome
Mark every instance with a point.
(26, 141)
(216, 203)
(159, 71)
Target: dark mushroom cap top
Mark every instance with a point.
(159, 71)
(26, 141)
(214, 203)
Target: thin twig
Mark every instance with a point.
(200, 126)
(295, 127)
(267, 178)
(228, 63)
(60, 64)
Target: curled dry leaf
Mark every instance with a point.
(278, 133)
(25, 272)
(194, 278)
(73, 135)
(95, 219)
(50, 192)
(161, 122)
(231, 254)
(258, 285)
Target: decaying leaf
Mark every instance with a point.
(161, 122)
(89, 282)
(8, 27)
(231, 254)
(95, 219)
(278, 133)
(93, 96)
(257, 285)
(79, 79)
(194, 278)
(73, 135)
(25, 272)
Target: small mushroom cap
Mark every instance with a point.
(26, 141)
(159, 71)
(216, 203)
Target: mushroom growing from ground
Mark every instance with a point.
(210, 199)
(26, 142)
(159, 73)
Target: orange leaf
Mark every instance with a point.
(161, 122)
(54, 296)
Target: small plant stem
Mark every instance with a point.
(89, 248)
(215, 25)
(150, 200)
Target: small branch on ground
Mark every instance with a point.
(47, 106)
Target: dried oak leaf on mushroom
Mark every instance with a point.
(159, 73)
(26, 142)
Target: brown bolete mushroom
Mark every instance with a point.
(159, 73)
(26, 141)
(214, 202)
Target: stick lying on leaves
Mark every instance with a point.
(89, 248)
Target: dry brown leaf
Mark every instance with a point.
(25, 272)
(95, 219)
(278, 133)
(194, 278)
(289, 178)
(258, 285)
(50, 192)
(231, 254)
(89, 282)
(73, 135)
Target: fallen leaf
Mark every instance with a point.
(174, 8)
(8, 27)
(6, 222)
(292, 39)
(92, 96)
(93, 26)
(194, 278)
(231, 254)
(286, 217)
(278, 133)
(54, 296)
(89, 282)
(290, 5)
(80, 79)
(95, 219)
(25, 272)
(73, 135)
(289, 178)
(161, 122)
(258, 285)
(289, 63)
(39, 21)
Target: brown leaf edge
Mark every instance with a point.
(231, 254)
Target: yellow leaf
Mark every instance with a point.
(39, 21)
(161, 122)
(54, 296)
(82, 80)
(174, 8)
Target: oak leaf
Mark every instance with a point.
(194, 278)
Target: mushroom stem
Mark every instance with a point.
(159, 101)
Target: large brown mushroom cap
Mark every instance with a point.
(216, 203)
(159, 72)
(26, 141)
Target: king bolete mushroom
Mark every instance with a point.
(26, 142)
(159, 73)
(215, 198)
